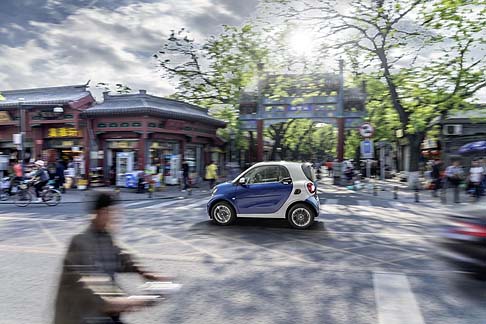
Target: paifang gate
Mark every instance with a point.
(335, 105)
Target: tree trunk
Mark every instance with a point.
(415, 141)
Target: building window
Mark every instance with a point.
(125, 125)
(152, 125)
(187, 128)
(68, 116)
(136, 124)
(113, 124)
(101, 125)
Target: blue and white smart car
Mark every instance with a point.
(286, 190)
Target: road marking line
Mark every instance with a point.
(51, 236)
(137, 203)
(164, 204)
(194, 205)
(29, 249)
(197, 248)
(395, 301)
(37, 219)
(398, 205)
(286, 254)
(364, 203)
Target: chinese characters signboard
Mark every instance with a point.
(63, 132)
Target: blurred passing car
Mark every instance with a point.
(285, 190)
(463, 240)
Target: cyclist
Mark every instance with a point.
(40, 177)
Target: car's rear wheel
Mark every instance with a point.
(223, 213)
(300, 216)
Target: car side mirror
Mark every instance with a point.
(242, 181)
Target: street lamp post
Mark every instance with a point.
(58, 110)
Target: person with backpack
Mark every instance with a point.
(40, 177)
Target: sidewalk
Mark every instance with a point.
(385, 189)
(126, 194)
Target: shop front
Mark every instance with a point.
(121, 160)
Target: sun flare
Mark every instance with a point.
(301, 42)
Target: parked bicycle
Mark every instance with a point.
(49, 195)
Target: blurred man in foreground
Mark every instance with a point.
(87, 287)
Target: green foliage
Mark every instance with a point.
(215, 73)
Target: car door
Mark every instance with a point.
(266, 189)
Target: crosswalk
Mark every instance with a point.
(333, 205)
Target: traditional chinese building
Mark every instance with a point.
(50, 118)
(140, 131)
(129, 132)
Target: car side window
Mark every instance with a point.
(283, 173)
(264, 174)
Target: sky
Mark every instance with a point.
(62, 42)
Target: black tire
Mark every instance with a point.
(300, 216)
(223, 214)
(23, 198)
(51, 197)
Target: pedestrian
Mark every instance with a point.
(482, 163)
(87, 286)
(476, 176)
(40, 177)
(211, 174)
(59, 176)
(329, 166)
(17, 176)
(436, 176)
(455, 174)
(185, 175)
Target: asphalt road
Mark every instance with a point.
(365, 260)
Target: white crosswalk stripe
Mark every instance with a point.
(164, 204)
(395, 301)
(196, 204)
(137, 203)
(364, 203)
(330, 202)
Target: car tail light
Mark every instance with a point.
(311, 188)
(470, 229)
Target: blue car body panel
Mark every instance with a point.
(315, 204)
(261, 198)
(225, 191)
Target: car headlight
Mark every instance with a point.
(213, 192)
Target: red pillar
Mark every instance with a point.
(141, 152)
(259, 140)
(340, 139)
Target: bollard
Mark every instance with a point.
(395, 192)
(417, 198)
(375, 190)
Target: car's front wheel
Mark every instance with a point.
(300, 216)
(223, 213)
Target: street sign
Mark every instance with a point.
(367, 150)
(366, 130)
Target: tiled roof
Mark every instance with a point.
(142, 103)
(51, 95)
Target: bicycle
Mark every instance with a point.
(49, 195)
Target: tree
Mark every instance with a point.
(118, 88)
(394, 37)
(214, 73)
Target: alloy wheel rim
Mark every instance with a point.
(301, 217)
(222, 214)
